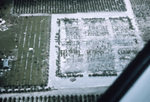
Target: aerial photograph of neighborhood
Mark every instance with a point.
(67, 50)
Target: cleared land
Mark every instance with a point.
(28, 68)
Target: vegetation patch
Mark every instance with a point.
(28, 41)
(68, 6)
(82, 48)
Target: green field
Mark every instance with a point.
(29, 68)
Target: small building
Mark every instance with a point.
(5, 63)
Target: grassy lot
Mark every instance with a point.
(30, 68)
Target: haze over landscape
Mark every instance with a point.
(67, 50)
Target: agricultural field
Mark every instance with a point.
(66, 6)
(75, 57)
(127, 39)
(29, 68)
(141, 10)
(76, 38)
(75, 50)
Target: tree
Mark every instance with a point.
(67, 98)
(89, 97)
(80, 98)
(14, 100)
(97, 97)
(54, 99)
(37, 99)
(63, 98)
(59, 100)
(76, 98)
(1, 99)
(45, 98)
(19, 99)
(41, 98)
(93, 98)
(32, 99)
(85, 98)
(23, 98)
(5, 99)
(49, 98)
(28, 98)
(72, 98)
(10, 99)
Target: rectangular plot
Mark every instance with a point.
(81, 47)
(68, 6)
(27, 69)
(88, 46)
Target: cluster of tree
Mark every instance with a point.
(3, 7)
(13, 89)
(67, 98)
(104, 73)
(69, 75)
(128, 51)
